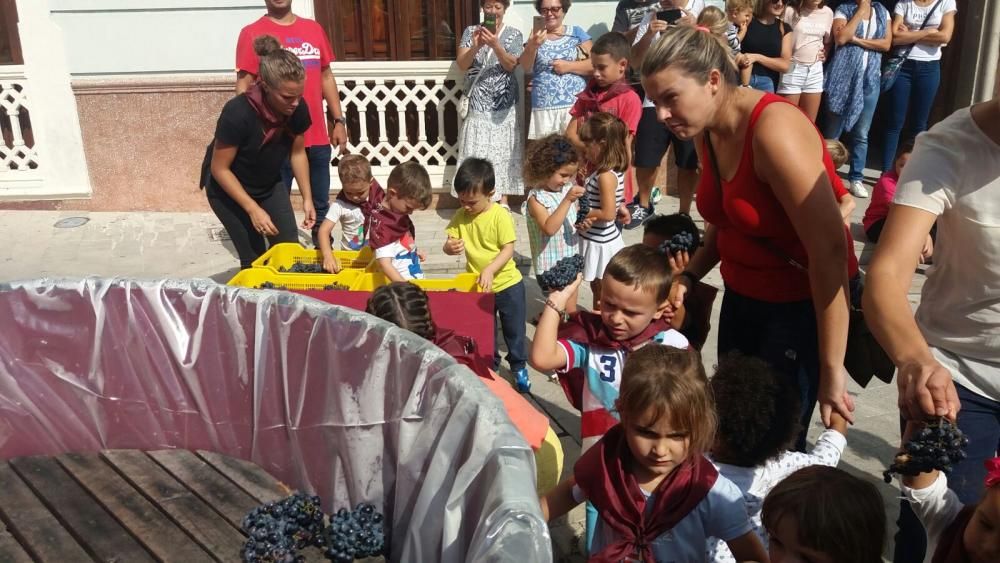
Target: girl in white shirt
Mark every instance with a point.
(811, 22)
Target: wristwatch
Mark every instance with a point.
(340, 120)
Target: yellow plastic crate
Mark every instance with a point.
(286, 254)
(368, 281)
(256, 277)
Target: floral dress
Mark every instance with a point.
(492, 129)
(552, 95)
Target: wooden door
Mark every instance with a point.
(395, 30)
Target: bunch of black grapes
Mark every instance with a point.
(938, 445)
(354, 534)
(303, 268)
(680, 242)
(562, 274)
(583, 209)
(278, 530)
(270, 285)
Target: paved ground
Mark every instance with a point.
(173, 245)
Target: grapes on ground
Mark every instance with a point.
(562, 274)
(938, 445)
(278, 531)
(680, 242)
(354, 534)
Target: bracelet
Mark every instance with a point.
(691, 277)
(551, 305)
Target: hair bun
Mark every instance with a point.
(265, 45)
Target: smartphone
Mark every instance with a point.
(537, 24)
(490, 22)
(670, 16)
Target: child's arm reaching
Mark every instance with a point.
(551, 223)
(559, 500)
(573, 134)
(330, 262)
(486, 274)
(385, 264)
(546, 354)
(748, 548)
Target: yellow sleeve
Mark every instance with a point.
(505, 228)
(452, 229)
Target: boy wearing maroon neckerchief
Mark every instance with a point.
(305, 38)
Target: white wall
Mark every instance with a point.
(115, 37)
(154, 36)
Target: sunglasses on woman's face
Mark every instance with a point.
(553, 10)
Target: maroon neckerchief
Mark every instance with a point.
(951, 546)
(388, 226)
(592, 96)
(463, 349)
(375, 196)
(588, 328)
(273, 123)
(603, 474)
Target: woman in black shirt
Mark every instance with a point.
(255, 134)
(767, 46)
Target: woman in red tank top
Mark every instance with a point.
(772, 221)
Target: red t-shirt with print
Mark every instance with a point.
(305, 38)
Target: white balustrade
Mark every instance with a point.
(18, 158)
(407, 110)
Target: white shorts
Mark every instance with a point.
(596, 256)
(545, 121)
(802, 79)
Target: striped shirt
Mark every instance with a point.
(733, 38)
(603, 231)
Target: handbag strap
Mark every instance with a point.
(759, 240)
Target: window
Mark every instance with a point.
(10, 44)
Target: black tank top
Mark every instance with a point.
(765, 40)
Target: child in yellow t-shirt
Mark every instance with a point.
(484, 231)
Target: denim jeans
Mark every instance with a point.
(910, 99)
(762, 83)
(857, 136)
(979, 419)
(511, 308)
(782, 334)
(319, 178)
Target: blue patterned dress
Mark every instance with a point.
(552, 95)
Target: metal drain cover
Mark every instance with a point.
(71, 222)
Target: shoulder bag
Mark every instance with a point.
(894, 62)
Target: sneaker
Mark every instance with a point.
(656, 195)
(858, 189)
(640, 215)
(521, 381)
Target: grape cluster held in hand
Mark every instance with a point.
(583, 210)
(680, 242)
(562, 274)
(938, 445)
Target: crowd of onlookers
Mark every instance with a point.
(677, 465)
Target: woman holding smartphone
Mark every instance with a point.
(552, 56)
(488, 53)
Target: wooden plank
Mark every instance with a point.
(220, 493)
(11, 550)
(138, 515)
(206, 526)
(89, 523)
(34, 526)
(258, 483)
